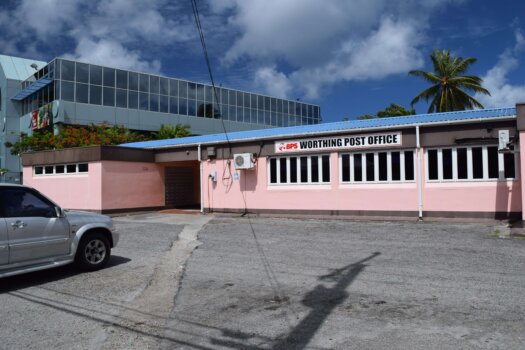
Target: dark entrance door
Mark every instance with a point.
(180, 185)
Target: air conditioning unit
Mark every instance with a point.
(243, 161)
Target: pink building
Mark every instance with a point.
(460, 164)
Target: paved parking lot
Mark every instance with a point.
(268, 283)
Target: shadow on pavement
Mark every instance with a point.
(322, 300)
(37, 278)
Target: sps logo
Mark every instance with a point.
(283, 147)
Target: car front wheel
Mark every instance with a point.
(93, 252)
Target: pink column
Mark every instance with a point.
(522, 169)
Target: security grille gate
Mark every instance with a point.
(179, 187)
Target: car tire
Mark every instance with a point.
(93, 251)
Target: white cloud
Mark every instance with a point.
(496, 79)
(391, 49)
(269, 79)
(47, 18)
(112, 54)
(133, 20)
(302, 34)
(315, 44)
(125, 33)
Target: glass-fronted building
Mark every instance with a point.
(66, 92)
(78, 82)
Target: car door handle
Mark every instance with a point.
(18, 224)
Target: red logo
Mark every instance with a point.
(288, 146)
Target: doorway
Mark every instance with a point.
(182, 187)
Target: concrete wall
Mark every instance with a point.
(447, 199)
(128, 185)
(107, 186)
(72, 191)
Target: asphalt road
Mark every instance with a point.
(114, 308)
(268, 283)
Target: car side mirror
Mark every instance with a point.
(59, 212)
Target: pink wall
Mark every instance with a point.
(132, 185)
(78, 191)
(107, 185)
(253, 191)
(522, 167)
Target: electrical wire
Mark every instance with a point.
(279, 295)
(207, 59)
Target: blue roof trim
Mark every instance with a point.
(31, 89)
(352, 125)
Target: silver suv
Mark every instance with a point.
(37, 234)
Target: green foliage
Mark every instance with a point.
(447, 92)
(366, 116)
(394, 110)
(3, 171)
(74, 136)
(171, 132)
(92, 135)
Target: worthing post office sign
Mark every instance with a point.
(339, 143)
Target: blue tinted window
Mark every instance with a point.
(121, 98)
(95, 75)
(133, 99)
(143, 101)
(144, 82)
(95, 94)
(68, 91)
(109, 96)
(133, 81)
(68, 70)
(122, 79)
(154, 84)
(82, 70)
(109, 77)
(82, 93)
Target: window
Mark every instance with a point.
(109, 96)
(154, 102)
(95, 94)
(82, 93)
(121, 98)
(68, 91)
(299, 170)
(469, 163)
(95, 75)
(164, 104)
(61, 169)
(122, 79)
(389, 166)
(68, 70)
(143, 101)
(21, 202)
(164, 86)
(154, 84)
(144, 82)
(133, 99)
(82, 73)
(133, 81)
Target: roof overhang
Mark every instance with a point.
(33, 88)
(331, 132)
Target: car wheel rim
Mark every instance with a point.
(95, 251)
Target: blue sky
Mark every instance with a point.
(349, 56)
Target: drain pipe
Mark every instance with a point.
(199, 157)
(419, 189)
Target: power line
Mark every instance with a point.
(207, 59)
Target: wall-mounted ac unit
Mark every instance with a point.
(243, 161)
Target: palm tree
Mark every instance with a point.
(448, 84)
